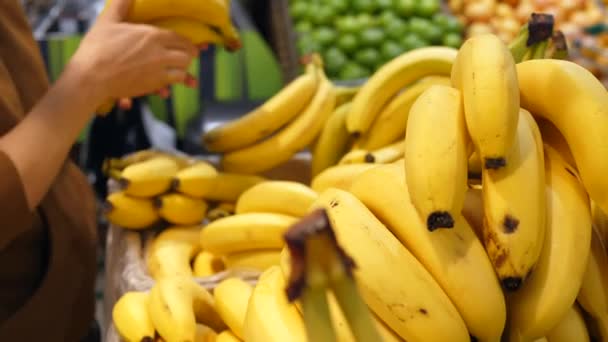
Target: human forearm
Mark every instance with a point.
(39, 145)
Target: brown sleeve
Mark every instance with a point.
(15, 215)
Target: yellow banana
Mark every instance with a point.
(576, 102)
(392, 120)
(221, 210)
(132, 158)
(388, 153)
(207, 264)
(130, 212)
(131, 318)
(256, 259)
(514, 207)
(281, 197)
(176, 304)
(203, 181)
(593, 295)
(571, 328)
(148, 178)
(454, 257)
(391, 78)
(437, 169)
(485, 73)
(333, 141)
(211, 12)
(180, 209)
(355, 156)
(227, 336)
(250, 231)
(270, 317)
(298, 134)
(194, 30)
(267, 118)
(392, 282)
(339, 176)
(553, 285)
(231, 299)
(172, 250)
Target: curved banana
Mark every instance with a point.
(392, 120)
(388, 153)
(333, 141)
(176, 304)
(130, 212)
(180, 209)
(553, 285)
(392, 282)
(298, 134)
(226, 336)
(281, 197)
(593, 295)
(257, 259)
(267, 118)
(514, 206)
(250, 231)
(194, 30)
(231, 299)
(339, 176)
(484, 72)
(454, 257)
(211, 12)
(270, 317)
(571, 328)
(148, 178)
(131, 318)
(437, 168)
(576, 102)
(206, 264)
(172, 250)
(391, 78)
(203, 181)
(355, 156)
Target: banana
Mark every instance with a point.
(207, 264)
(553, 285)
(392, 120)
(593, 294)
(571, 328)
(131, 318)
(176, 304)
(437, 189)
(485, 73)
(203, 181)
(514, 207)
(212, 12)
(391, 78)
(231, 299)
(576, 102)
(257, 259)
(333, 141)
(345, 94)
(298, 134)
(180, 209)
(454, 257)
(392, 282)
(148, 178)
(281, 197)
(355, 156)
(172, 250)
(194, 30)
(552, 137)
(131, 158)
(270, 317)
(267, 118)
(223, 209)
(130, 212)
(227, 336)
(250, 231)
(388, 153)
(339, 176)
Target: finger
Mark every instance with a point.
(125, 103)
(174, 41)
(116, 10)
(176, 59)
(175, 75)
(164, 92)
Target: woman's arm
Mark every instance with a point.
(115, 60)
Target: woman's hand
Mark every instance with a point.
(124, 60)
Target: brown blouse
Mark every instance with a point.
(47, 256)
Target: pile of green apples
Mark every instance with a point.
(356, 37)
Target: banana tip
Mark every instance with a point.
(123, 183)
(540, 28)
(174, 184)
(369, 158)
(511, 284)
(495, 163)
(439, 219)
